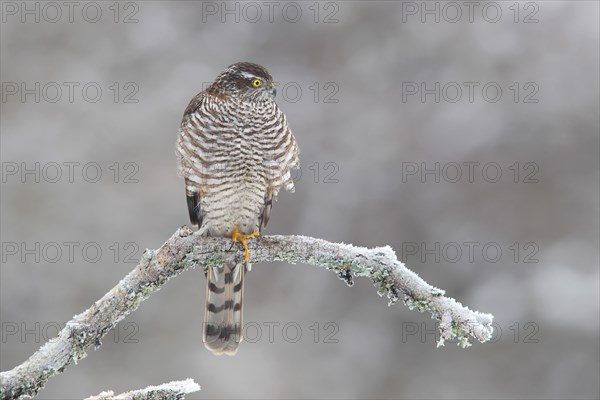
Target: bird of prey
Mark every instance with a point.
(235, 150)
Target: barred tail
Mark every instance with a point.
(223, 314)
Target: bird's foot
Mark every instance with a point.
(238, 236)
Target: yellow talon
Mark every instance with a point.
(236, 235)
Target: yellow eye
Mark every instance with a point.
(257, 83)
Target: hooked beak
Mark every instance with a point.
(271, 89)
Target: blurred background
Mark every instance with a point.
(464, 136)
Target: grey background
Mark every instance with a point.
(546, 310)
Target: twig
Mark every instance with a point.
(175, 390)
(186, 249)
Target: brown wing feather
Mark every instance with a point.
(282, 177)
(193, 105)
(193, 198)
(266, 214)
(193, 203)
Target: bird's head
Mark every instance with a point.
(250, 82)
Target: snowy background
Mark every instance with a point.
(523, 245)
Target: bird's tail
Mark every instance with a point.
(223, 314)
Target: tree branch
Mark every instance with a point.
(175, 390)
(186, 249)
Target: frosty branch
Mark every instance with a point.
(175, 390)
(186, 249)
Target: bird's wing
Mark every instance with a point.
(189, 165)
(281, 156)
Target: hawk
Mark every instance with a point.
(234, 150)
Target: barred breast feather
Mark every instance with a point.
(235, 156)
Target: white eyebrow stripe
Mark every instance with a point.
(247, 75)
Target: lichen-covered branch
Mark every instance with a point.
(175, 390)
(186, 249)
